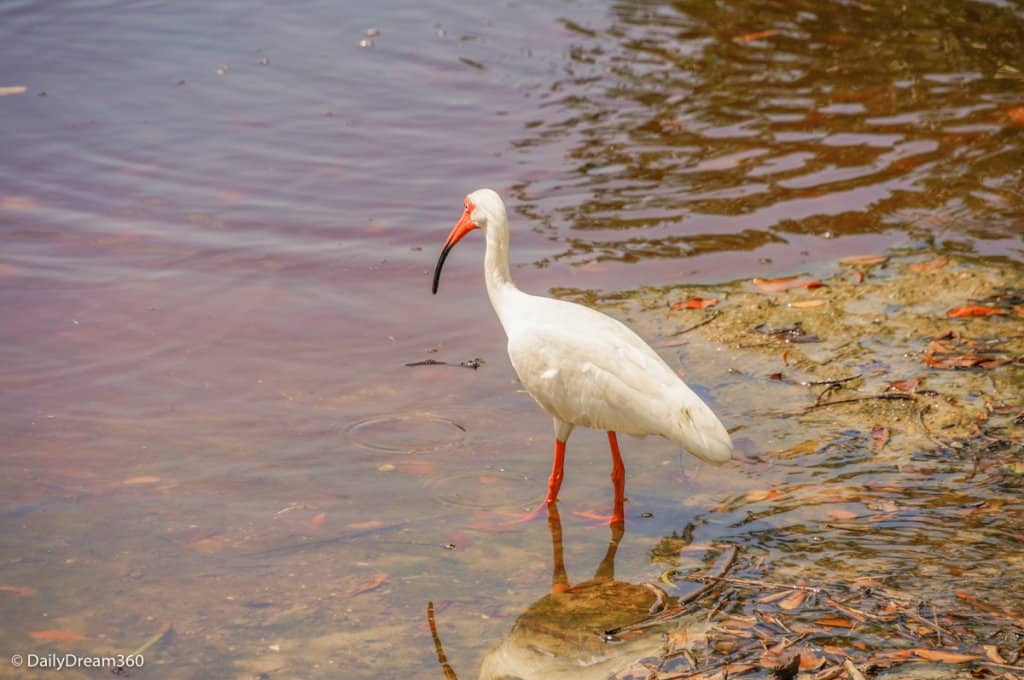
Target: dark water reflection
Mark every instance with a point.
(700, 127)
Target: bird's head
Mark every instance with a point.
(481, 208)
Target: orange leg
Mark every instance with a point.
(618, 480)
(557, 472)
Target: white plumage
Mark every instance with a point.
(584, 367)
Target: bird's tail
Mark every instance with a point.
(700, 432)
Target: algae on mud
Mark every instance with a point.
(881, 524)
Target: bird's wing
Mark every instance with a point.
(590, 379)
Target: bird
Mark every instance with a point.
(583, 367)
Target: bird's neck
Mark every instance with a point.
(496, 273)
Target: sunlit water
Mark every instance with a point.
(218, 224)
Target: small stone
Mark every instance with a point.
(221, 70)
(265, 61)
(646, 515)
(366, 43)
(373, 32)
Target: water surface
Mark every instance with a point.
(218, 225)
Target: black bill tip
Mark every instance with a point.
(440, 263)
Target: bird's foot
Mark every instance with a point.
(600, 518)
(535, 514)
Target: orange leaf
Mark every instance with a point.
(318, 520)
(842, 515)
(992, 652)
(943, 655)
(145, 479)
(974, 310)
(838, 651)
(758, 35)
(785, 283)
(56, 636)
(906, 385)
(762, 495)
(372, 584)
(1016, 114)
(864, 260)
(895, 655)
(880, 435)
(810, 661)
(803, 304)
(930, 265)
(694, 303)
(785, 356)
(835, 622)
(20, 591)
(369, 524)
(793, 601)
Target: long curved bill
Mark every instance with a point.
(461, 228)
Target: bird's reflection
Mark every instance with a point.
(561, 635)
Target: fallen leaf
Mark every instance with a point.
(760, 35)
(786, 283)
(56, 636)
(992, 652)
(804, 304)
(936, 347)
(858, 276)
(1016, 114)
(488, 479)
(785, 357)
(834, 622)
(864, 260)
(943, 655)
(416, 467)
(842, 515)
(20, 89)
(762, 495)
(694, 303)
(810, 661)
(145, 479)
(837, 651)
(895, 655)
(974, 310)
(773, 597)
(965, 361)
(370, 524)
(880, 435)
(20, 591)
(930, 265)
(905, 385)
(379, 579)
(775, 376)
(318, 520)
(793, 601)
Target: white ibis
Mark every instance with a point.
(583, 367)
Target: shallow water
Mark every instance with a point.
(218, 226)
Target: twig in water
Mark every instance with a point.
(852, 670)
(758, 584)
(834, 381)
(711, 317)
(449, 672)
(897, 396)
(610, 634)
